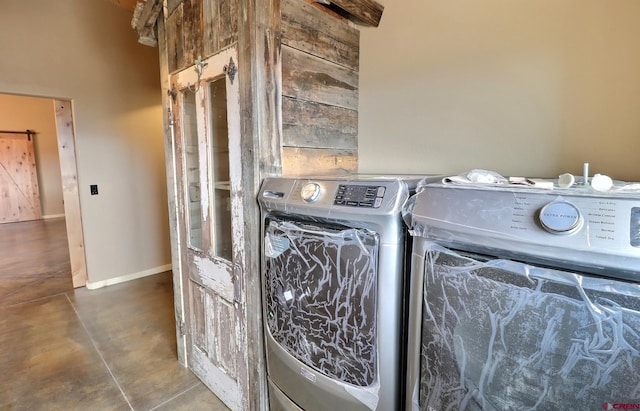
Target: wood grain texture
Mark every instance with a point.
(314, 125)
(366, 12)
(199, 29)
(220, 23)
(174, 39)
(306, 77)
(259, 63)
(308, 29)
(70, 195)
(144, 21)
(172, 5)
(172, 189)
(192, 29)
(19, 193)
(309, 161)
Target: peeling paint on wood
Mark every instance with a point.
(214, 275)
(214, 348)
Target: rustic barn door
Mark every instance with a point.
(209, 180)
(19, 194)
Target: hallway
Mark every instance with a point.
(109, 349)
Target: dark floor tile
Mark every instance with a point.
(133, 327)
(198, 398)
(48, 361)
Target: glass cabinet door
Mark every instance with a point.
(221, 186)
(209, 179)
(191, 150)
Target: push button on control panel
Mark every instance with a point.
(359, 196)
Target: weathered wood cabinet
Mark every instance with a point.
(293, 66)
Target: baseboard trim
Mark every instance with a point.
(46, 217)
(128, 277)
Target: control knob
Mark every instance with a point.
(310, 192)
(560, 217)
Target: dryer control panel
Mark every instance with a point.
(359, 196)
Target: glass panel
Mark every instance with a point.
(502, 335)
(192, 168)
(219, 143)
(321, 297)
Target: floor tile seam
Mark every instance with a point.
(95, 346)
(29, 281)
(194, 386)
(64, 294)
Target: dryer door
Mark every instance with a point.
(320, 297)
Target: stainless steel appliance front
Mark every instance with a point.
(333, 284)
(516, 304)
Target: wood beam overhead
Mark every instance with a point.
(366, 12)
(144, 21)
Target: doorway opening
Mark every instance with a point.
(51, 120)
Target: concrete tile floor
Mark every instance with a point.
(34, 260)
(109, 349)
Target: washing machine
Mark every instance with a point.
(333, 275)
(524, 298)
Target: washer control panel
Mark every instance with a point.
(574, 228)
(359, 196)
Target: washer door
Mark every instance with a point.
(503, 335)
(320, 296)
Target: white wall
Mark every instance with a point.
(86, 51)
(532, 87)
(19, 113)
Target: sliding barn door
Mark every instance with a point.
(210, 220)
(19, 195)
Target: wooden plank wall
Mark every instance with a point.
(319, 76)
(199, 28)
(320, 55)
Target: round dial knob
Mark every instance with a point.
(310, 192)
(560, 217)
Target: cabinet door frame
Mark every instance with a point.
(211, 295)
